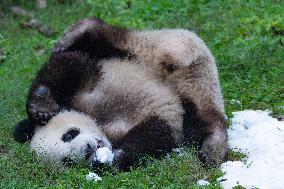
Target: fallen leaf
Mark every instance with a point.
(277, 31)
(46, 31)
(41, 4)
(280, 117)
(39, 49)
(2, 149)
(19, 11)
(2, 55)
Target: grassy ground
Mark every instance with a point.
(248, 52)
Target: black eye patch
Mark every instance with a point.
(70, 135)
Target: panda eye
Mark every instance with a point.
(70, 135)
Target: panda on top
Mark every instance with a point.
(136, 92)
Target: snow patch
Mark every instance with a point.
(93, 176)
(202, 182)
(261, 137)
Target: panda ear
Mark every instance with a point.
(24, 130)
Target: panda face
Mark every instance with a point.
(69, 137)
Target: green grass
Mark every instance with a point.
(249, 56)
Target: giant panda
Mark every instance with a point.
(128, 110)
(177, 57)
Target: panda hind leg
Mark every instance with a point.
(206, 127)
(214, 146)
(75, 32)
(92, 36)
(151, 137)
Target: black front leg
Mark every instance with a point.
(24, 130)
(151, 137)
(57, 82)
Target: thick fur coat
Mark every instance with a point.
(177, 58)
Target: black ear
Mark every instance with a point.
(24, 130)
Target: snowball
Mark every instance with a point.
(93, 176)
(261, 137)
(202, 182)
(104, 155)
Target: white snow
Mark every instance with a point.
(233, 101)
(104, 155)
(261, 137)
(93, 176)
(202, 182)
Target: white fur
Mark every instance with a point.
(196, 74)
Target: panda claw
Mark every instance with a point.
(32, 111)
(46, 116)
(42, 91)
(58, 50)
(62, 50)
(40, 115)
(50, 114)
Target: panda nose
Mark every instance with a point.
(89, 151)
(100, 144)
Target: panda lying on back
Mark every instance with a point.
(132, 112)
(176, 58)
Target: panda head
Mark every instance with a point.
(69, 137)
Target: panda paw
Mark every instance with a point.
(41, 106)
(211, 152)
(122, 160)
